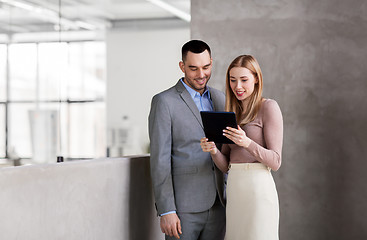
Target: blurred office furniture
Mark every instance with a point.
(123, 138)
(43, 126)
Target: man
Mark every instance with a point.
(188, 188)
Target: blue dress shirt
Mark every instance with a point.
(203, 102)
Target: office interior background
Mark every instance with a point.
(77, 77)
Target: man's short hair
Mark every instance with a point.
(194, 46)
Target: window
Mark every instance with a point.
(3, 72)
(55, 100)
(2, 130)
(3, 56)
(22, 71)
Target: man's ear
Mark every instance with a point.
(182, 66)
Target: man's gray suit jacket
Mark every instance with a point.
(184, 177)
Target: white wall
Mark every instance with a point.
(141, 62)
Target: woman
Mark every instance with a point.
(252, 201)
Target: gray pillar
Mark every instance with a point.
(313, 55)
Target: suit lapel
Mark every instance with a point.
(186, 97)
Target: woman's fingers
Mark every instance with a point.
(238, 136)
(230, 132)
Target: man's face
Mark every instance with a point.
(197, 69)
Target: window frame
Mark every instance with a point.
(69, 102)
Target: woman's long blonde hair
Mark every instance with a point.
(247, 115)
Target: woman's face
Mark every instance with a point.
(242, 82)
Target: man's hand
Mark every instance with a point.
(207, 146)
(171, 225)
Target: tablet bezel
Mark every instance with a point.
(214, 123)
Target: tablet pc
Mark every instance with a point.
(215, 122)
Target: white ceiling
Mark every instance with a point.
(32, 16)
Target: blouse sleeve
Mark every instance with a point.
(225, 150)
(270, 155)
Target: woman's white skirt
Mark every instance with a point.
(252, 203)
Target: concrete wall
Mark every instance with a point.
(142, 60)
(92, 199)
(313, 55)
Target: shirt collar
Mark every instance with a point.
(194, 93)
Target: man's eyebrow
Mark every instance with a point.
(191, 66)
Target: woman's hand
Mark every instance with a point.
(238, 136)
(208, 146)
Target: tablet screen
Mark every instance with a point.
(215, 122)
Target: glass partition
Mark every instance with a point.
(87, 70)
(23, 71)
(2, 130)
(86, 129)
(56, 100)
(3, 56)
